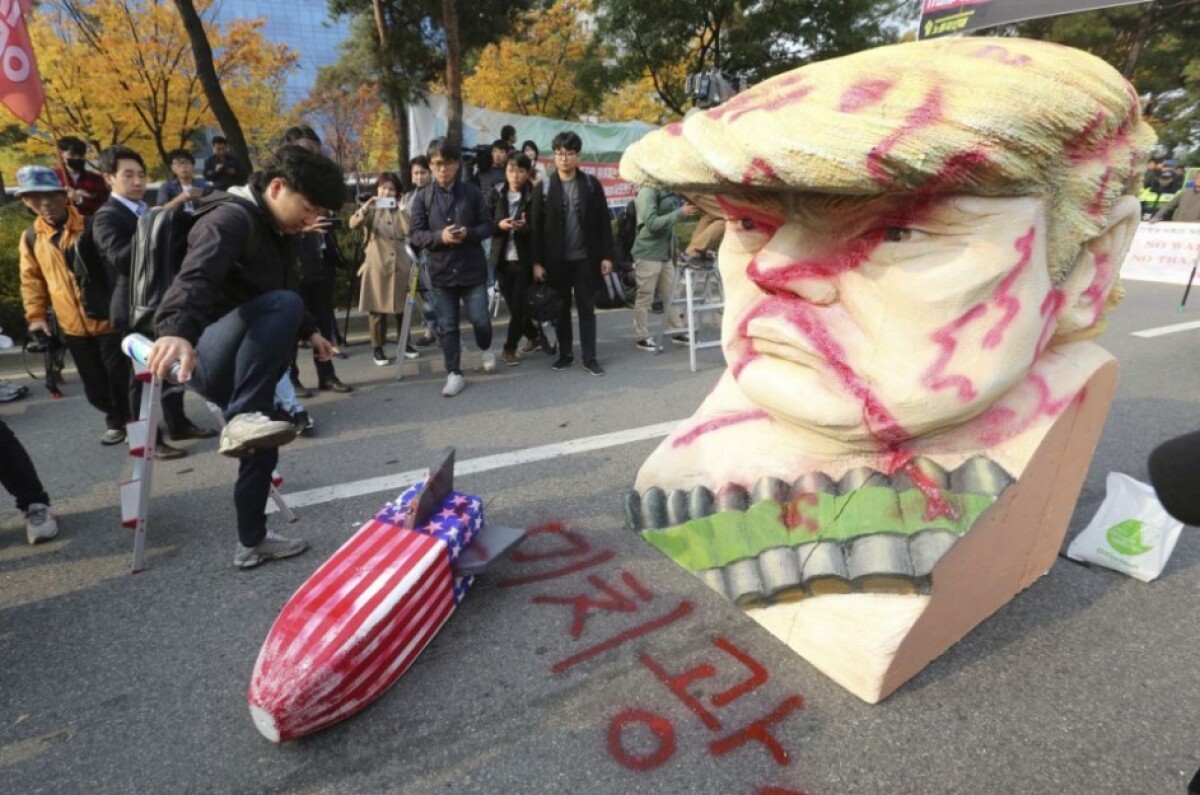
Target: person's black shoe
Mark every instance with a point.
(593, 367)
(301, 390)
(334, 385)
(165, 452)
(549, 348)
(190, 430)
(562, 362)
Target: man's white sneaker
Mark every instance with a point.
(40, 524)
(646, 345)
(246, 433)
(273, 547)
(455, 383)
(489, 361)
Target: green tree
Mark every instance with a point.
(408, 45)
(1154, 45)
(752, 38)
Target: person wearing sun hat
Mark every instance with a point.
(47, 282)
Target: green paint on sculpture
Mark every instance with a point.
(723, 538)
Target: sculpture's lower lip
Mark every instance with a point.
(779, 347)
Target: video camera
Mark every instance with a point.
(711, 88)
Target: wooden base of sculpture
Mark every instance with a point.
(871, 644)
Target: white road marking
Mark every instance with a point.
(402, 480)
(1161, 330)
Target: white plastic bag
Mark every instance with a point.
(1131, 532)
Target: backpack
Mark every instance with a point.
(159, 246)
(87, 266)
(627, 229)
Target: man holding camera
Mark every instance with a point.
(451, 220)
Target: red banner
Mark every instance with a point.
(20, 84)
(616, 190)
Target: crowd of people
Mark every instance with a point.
(256, 284)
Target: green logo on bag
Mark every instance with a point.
(1126, 538)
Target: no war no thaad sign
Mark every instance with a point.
(1163, 252)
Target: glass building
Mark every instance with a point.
(303, 25)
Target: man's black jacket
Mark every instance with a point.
(548, 224)
(461, 265)
(236, 252)
(113, 228)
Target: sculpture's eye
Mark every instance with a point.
(897, 234)
(747, 224)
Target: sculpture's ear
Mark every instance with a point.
(1089, 284)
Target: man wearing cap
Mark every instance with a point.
(86, 188)
(47, 282)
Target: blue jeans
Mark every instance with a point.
(239, 360)
(445, 301)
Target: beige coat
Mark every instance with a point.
(386, 268)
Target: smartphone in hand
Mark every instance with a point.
(386, 202)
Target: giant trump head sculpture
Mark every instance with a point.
(921, 242)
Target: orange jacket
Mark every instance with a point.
(47, 280)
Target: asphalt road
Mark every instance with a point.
(1089, 682)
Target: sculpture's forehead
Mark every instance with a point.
(833, 209)
(986, 116)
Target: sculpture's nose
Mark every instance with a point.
(783, 266)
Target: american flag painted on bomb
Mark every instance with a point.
(358, 623)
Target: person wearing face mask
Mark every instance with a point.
(86, 189)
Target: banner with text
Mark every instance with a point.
(1163, 252)
(943, 17)
(20, 85)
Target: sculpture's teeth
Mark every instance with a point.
(880, 564)
(814, 483)
(980, 475)
(771, 489)
(926, 549)
(701, 502)
(861, 478)
(633, 511)
(677, 507)
(780, 570)
(823, 567)
(732, 497)
(654, 509)
(931, 471)
(743, 583)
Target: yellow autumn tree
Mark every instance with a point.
(535, 71)
(638, 100)
(122, 72)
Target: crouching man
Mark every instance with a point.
(232, 318)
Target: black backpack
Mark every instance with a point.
(627, 229)
(159, 246)
(87, 266)
(543, 302)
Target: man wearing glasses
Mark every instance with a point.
(450, 220)
(572, 246)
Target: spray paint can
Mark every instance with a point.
(137, 347)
